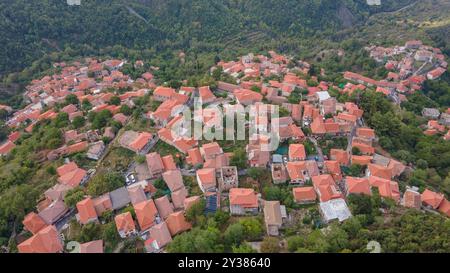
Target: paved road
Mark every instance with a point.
(318, 149)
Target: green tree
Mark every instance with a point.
(239, 158)
(243, 248)
(105, 182)
(71, 99)
(126, 110)
(234, 235)
(115, 100)
(78, 122)
(73, 196)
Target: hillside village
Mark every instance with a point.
(155, 179)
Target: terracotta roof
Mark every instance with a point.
(365, 132)
(332, 167)
(33, 223)
(432, 199)
(140, 142)
(69, 109)
(363, 148)
(146, 213)
(154, 162)
(124, 222)
(207, 176)
(347, 117)
(246, 198)
(86, 211)
(210, 150)
(361, 160)
(412, 199)
(380, 171)
(325, 187)
(45, 241)
(92, 247)
(397, 167)
(386, 188)
(176, 223)
(6, 147)
(120, 118)
(296, 169)
(164, 206)
(14, 136)
(169, 163)
(297, 152)
(173, 179)
(73, 178)
(194, 157)
(304, 194)
(102, 204)
(66, 168)
(178, 197)
(356, 185)
(77, 147)
(205, 94)
(245, 96)
(164, 91)
(318, 126)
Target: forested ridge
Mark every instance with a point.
(32, 29)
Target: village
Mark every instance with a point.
(165, 174)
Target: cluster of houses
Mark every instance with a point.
(324, 116)
(90, 81)
(438, 123)
(409, 67)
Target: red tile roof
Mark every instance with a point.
(380, 171)
(176, 222)
(361, 160)
(304, 194)
(173, 179)
(205, 94)
(33, 223)
(164, 206)
(340, 156)
(246, 198)
(356, 185)
(86, 211)
(146, 213)
(139, 143)
(169, 163)
(386, 188)
(124, 222)
(325, 187)
(92, 247)
(432, 199)
(194, 157)
(445, 207)
(365, 132)
(297, 152)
